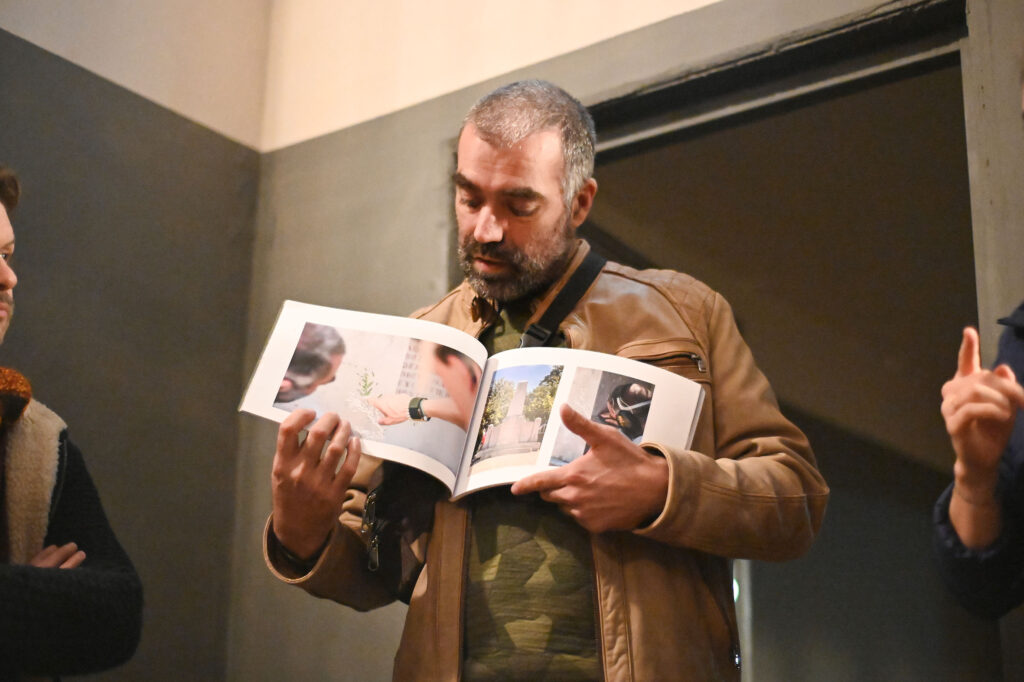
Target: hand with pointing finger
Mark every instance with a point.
(307, 485)
(979, 407)
(616, 485)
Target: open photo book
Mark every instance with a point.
(428, 396)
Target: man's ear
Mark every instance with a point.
(583, 202)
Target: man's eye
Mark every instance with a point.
(522, 210)
(470, 202)
(9, 257)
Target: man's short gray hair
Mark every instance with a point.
(512, 112)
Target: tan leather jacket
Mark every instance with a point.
(748, 488)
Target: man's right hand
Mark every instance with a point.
(64, 556)
(979, 407)
(307, 485)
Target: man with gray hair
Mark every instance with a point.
(615, 566)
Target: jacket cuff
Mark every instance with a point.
(949, 543)
(666, 525)
(282, 563)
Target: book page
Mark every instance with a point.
(517, 429)
(366, 368)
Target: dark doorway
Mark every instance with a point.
(838, 226)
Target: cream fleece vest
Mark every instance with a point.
(31, 474)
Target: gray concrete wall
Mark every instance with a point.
(134, 253)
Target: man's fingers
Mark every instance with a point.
(1004, 371)
(988, 388)
(1015, 392)
(969, 358)
(319, 433)
(291, 427)
(539, 482)
(586, 429)
(998, 387)
(47, 552)
(63, 553)
(336, 448)
(348, 467)
(976, 412)
(75, 560)
(394, 409)
(54, 556)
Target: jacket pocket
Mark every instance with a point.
(677, 355)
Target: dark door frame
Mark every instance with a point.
(986, 35)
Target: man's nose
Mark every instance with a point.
(487, 228)
(7, 277)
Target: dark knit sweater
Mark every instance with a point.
(71, 621)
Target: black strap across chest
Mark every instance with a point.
(543, 331)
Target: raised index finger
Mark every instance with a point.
(969, 358)
(588, 430)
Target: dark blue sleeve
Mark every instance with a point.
(990, 581)
(71, 621)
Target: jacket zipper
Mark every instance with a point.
(698, 360)
(598, 630)
(466, 539)
(693, 357)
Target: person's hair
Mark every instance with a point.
(309, 365)
(321, 338)
(10, 188)
(512, 112)
(311, 361)
(627, 396)
(632, 403)
(444, 354)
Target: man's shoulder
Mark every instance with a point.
(627, 308)
(453, 309)
(662, 279)
(622, 284)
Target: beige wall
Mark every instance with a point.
(271, 74)
(335, 64)
(203, 60)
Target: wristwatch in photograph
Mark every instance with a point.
(416, 410)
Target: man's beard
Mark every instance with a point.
(527, 273)
(8, 298)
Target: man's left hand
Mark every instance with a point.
(54, 556)
(617, 485)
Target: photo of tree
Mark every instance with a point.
(517, 410)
